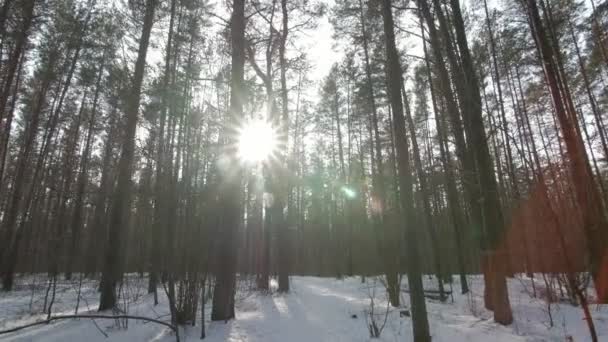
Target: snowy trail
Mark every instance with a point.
(321, 309)
(312, 312)
(317, 309)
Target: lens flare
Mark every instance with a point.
(257, 141)
(350, 193)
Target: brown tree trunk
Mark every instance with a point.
(471, 183)
(592, 102)
(280, 197)
(5, 132)
(76, 224)
(501, 105)
(393, 70)
(97, 232)
(119, 213)
(597, 27)
(223, 294)
(426, 198)
(160, 202)
(455, 208)
(3, 16)
(586, 194)
(68, 163)
(12, 236)
(27, 6)
(378, 195)
(492, 213)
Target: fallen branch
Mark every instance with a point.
(433, 294)
(56, 318)
(447, 292)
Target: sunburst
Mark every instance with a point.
(257, 141)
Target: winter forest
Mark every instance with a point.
(304, 170)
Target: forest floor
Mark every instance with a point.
(317, 309)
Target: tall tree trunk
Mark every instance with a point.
(455, 208)
(280, 197)
(600, 181)
(599, 31)
(426, 198)
(378, 195)
(492, 213)
(3, 16)
(97, 233)
(393, 69)
(119, 213)
(225, 284)
(503, 116)
(76, 224)
(5, 132)
(68, 161)
(592, 101)
(471, 183)
(160, 202)
(586, 194)
(27, 6)
(12, 236)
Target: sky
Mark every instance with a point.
(317, 43)
(320, 51)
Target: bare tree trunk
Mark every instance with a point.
(492, 213)
(223, 294)
(119, 213)
(586, 194)
(471, 183)
(160, 202)
(393, 68)
(501, 105)
(452, 193)
(600, 181)
(68, 161)
(3, 16)
(378, 195)
(592, 101)
(426, 198)
(280, 197)
(5, 132)
(27, 6)
(76, 223)
(96, 239)
(600, 34)
(13, 236)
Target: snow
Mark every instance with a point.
(316, 309)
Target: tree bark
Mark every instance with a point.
(280, 198)
(96, 240)
(426, 199)
(20, 45)
(491, 208)
(455, 208)
(393, 69)
(119, 213)
(5, 132)
(160, 179)
(225, 284)
(503, 116)
(592, 101)
(14, 236)
(586, 194)
(76, 224)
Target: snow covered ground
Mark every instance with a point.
(317, 309)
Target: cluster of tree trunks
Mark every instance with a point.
(484, 155)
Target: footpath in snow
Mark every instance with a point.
(317, 309)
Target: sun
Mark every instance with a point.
(257, 141)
